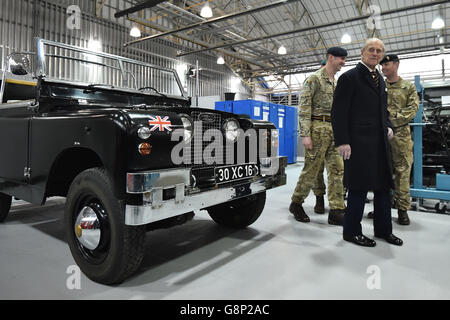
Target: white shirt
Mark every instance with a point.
(371, 70)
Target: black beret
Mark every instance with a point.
(337, 52)
(389, 57)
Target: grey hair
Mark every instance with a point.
(372, 40)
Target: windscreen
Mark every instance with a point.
(77, 65)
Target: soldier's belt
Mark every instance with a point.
(321, 118)
(403, 125)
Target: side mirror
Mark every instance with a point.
(19, 64)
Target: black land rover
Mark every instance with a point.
(119, 139)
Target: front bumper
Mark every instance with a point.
(187, 198)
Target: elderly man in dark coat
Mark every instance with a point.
(361, 129)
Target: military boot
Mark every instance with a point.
(320, 205)
(403, 218)
(299, 213)
(336, 217)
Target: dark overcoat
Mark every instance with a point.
(360, 118)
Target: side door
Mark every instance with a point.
(14, 136)
(15, 122)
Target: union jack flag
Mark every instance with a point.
(160, 123)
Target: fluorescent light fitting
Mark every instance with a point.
(220, 60)
(135, 32)
(206, 11)
(94, 45)
(346, 38)
(438, 23)
(282, 50)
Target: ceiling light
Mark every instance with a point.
(282, 50)
(135, 32)
(206, 11)
(346, 38)
(220, 60)
(94, 45)
(438, 23)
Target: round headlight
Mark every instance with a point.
(144, 133)
(188, 127)
(230, 128)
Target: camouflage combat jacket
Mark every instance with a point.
(403, 103)
(316, 99)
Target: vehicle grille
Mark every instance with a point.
(215, 123)
(203, 172)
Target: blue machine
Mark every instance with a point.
(441, 191)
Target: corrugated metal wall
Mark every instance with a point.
(21, 20)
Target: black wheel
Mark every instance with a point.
(105, 249)
(240, 213)
(5, 205)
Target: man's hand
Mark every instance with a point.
(390, 133)
(307, 142)
(345, 151)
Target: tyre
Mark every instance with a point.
(5, 205)
(105, 249)
(240, 213)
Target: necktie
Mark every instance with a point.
(375, 78)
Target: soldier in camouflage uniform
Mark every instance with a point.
(319, 186)
(317, 133)
(403, 103)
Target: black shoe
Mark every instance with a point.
(360, 240)
(370, 215)
(320, 205)
(297, 210)
(403, 218)
(392, 239)
(336, 217)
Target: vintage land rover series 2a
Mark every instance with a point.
(119, 139)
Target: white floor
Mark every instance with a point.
(275, 258)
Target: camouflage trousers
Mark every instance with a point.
(319, 186)
(323, 151)
(402, 160)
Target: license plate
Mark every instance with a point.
(235, 172)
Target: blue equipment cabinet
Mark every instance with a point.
(220, 105)
(273, 117)
(291, 133)
(284, 118)
(252, 108)
(265, 111)
(226, 106)
(281, 130)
